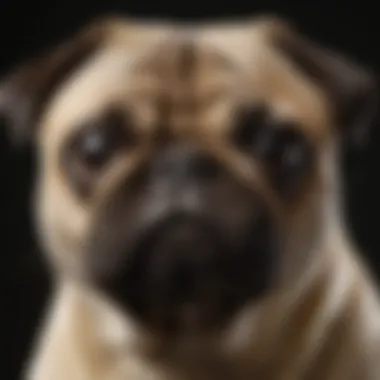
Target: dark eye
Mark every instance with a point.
(283, 149)
(99, 141)
(94, 146)
(288, 155)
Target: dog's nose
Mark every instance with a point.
(183, 163)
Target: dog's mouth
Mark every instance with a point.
(184, 273)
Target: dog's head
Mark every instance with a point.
(185, 171)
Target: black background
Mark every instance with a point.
(29, 27)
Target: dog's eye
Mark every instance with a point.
(95, 146)
(99, 141)
(288, 155)
(284, 150)
(90, 150)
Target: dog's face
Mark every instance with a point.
(184, 172)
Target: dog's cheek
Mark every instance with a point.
(61, 224)
(303, 231)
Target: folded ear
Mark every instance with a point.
(25, 90)
(350, 87)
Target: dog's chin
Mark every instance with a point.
(184, 274)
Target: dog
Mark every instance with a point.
(188, 203)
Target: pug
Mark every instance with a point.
(188, 203)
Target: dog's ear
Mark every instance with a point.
(350, 87)
(24, 92)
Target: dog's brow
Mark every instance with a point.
(181, 78)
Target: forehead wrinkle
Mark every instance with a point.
(191, 79)
(218, 69)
